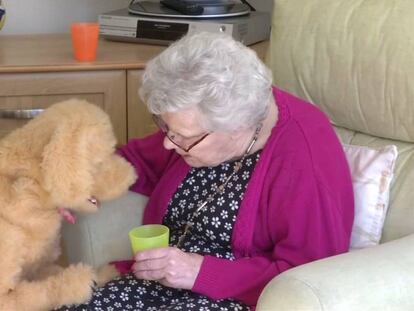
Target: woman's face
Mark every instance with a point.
(185, 129)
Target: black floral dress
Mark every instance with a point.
(210, 235)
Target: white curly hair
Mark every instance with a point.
(220, 76)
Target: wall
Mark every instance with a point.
(54, 16)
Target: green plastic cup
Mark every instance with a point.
(149, 236)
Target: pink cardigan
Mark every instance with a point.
(298, 206)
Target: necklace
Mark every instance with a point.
(219, 190)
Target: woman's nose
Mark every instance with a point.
(168, 144)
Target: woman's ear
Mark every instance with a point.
(237, 135)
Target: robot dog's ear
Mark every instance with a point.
(76, 149)
(113, 178)
(66, 165)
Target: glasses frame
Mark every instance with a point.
(164, 128)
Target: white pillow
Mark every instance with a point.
(372, 171)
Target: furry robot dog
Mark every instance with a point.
(60, 161)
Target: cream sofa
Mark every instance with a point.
(355, 59)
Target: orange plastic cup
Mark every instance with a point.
(85, 41)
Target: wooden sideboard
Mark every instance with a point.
(39, 70)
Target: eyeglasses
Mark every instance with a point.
(174, 137)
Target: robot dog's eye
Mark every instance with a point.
(93, 201)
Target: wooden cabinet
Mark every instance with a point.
(139, 121)
(39, 70)
(24, 91)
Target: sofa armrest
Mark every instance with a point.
(377, 278)
(103, 236)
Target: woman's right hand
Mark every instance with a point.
(170, 266)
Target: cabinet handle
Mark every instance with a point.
(19, 113)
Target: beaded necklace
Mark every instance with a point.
(219, 190)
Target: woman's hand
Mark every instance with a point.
(169, 266)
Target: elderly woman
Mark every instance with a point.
(250, 180)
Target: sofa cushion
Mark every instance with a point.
(372, 171)
(399, 219)
(353, 58)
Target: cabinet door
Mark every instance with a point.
(140, 121)
(106, 89)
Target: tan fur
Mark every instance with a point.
(59, 159)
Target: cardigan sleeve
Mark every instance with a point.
(301, 221)
(150, 160)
